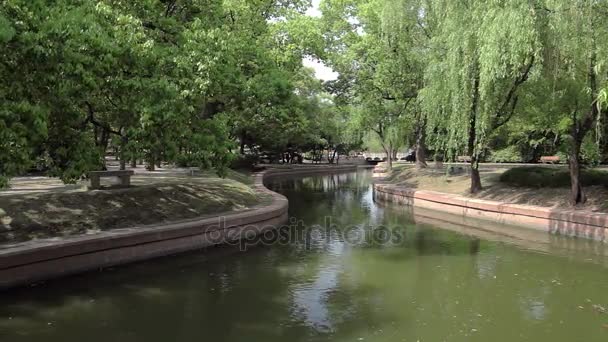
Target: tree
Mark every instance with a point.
(379, 57)
(159, 80)
(576, 49)
(482, 53)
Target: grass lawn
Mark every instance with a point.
(151, 201)
(547, 187)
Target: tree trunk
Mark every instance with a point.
(333, 157)
(577, 196)
(122, 153)
(134, 162)
(105, 140)
(421, 148)
(439, 160)
(579, 129)
(475, 178)
(473, 154)
(151, 164)
(389, 158)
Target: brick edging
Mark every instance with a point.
(30, 262)
(579, 223)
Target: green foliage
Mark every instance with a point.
(7, 32)
(159, 80)
(509, 154)
(483, 51)
(563, 156)
(539, 177)
(373, 45)
(590, 151)
(244, 162)
(198, 82)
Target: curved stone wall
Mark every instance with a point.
(578, 223)
(33, 261)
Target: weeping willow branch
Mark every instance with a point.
(507, 109)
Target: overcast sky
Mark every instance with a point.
(321, 71)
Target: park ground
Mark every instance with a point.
(42, 207)
(546, 186)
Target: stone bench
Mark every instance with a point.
(123, 175)
(463, 159)
(549, 159)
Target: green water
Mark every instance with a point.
(374, 275)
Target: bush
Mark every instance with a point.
(509, 154)
(590, 151)
(563, 157)
(185, 160)
(244, 162)
(548, 177)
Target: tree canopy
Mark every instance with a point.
(159, 80)
(210, 83)
(475, 76)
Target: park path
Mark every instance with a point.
(42, 184)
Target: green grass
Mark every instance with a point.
(546, 177)
(26, 217)
(242, 176)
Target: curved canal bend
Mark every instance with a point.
(374, 275)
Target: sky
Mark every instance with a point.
(322, 72)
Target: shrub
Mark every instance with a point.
(244, 162)
(184, 160)
(541, 177)
(563, 157)
(590, 151)
(508, 154)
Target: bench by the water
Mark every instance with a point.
(549, 159)
(123, 175)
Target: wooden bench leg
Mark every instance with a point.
(95, 183)
(125, 181)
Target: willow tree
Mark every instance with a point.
(575, 57)
(378, 49)
(482, 53)
(407, 27)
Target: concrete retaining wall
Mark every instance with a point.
(307, 170)
(578, 223)
(40, 260)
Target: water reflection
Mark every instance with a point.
(457, 283)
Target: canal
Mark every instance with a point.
(346, 269)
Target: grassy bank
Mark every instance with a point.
(541, 186)
(151, 201)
